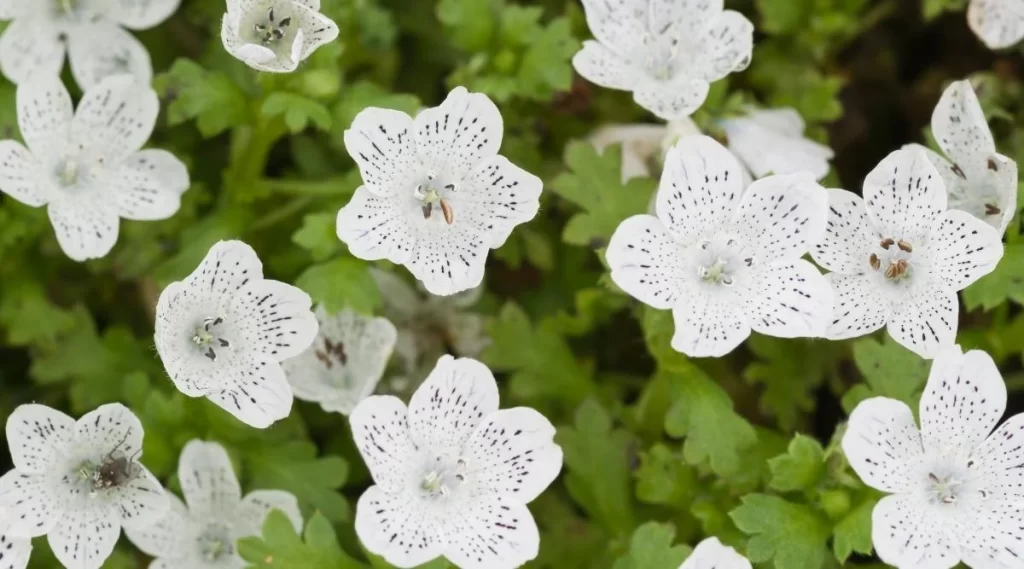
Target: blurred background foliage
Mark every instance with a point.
(659, 450)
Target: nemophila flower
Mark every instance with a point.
(899, 256)
(666, 53)
(91, 32)
(436, 194)
(78, 482)
(999, 23)
(711, 554)
(772, 142)
(275, 35)
(224, 330)
(202, 532)
(345, 362)
(86, 165)
(957, 487)
(723, 260)
(642, 144)
(14, 551)
(453, 474)
(979, 180)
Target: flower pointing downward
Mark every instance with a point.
(275, 35)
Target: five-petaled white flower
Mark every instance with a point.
(899, 256)
(453, 473)
(979, 180)
(78, 482)
(224, 330)
(957, 487)
(14, 551)
(726, 262)
(666, 53)
(275, 35)
(345, 362)
(999, 23)
(712, 554)
(772, 142)
(436, 194)
(203, 533)
(91, 32)
(86, 166)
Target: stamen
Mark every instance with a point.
(270, 14)
(874, 262)
(993, 165)
(959, 172)
(992, 210)
(286, 22)
(897, 269)
(427, 209)
(903, 245)
(211, 354)
(887, 242)
(449, 215)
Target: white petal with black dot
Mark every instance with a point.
(667, 54)
(724, 260)
(997, 23)
(223, 332)
(77, 482)
(86, 166)
(955, 483)
(14, 551)
(436, 195)
(712, 554)
(275, 35)
(772, 142)
(453, 473)
(203, 533)
(899, 257)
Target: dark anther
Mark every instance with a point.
(959, 172)
(223, 343)
(427, 210)
(270, 14)
(285, 22)
(875, 262)
(888, 242)
(210, 354)
(992, 210)
(993, 165)
(903, 245)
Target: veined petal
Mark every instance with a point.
(208, 480)
(711, 553)
(964, 399)
(397, 527)
(1000, 457)
(380, 429)
(726, 46)
(44, 113)
(619, 24)
(700, 188)
(172, 536)
(771, 141)
(383, 146)
(85, 536)
(115, 117)
(456, 397)
(273, 318)
(964, 249)
(999, 23)
(103, 49)
(603, 66)
(178, 311)
(781, 217)
(148, 185)
(849, 237)
(16, 552)
(34, 503)
(38, 437)
(450, 258)
(108, 427)
(883, 444)
(709, 324)
(497, 196)
(959, 125)
(991, 536)
(648, 264)
(860, 307)
(907, 534)
(255, 391)
(256, 506)
(227, 267)
(672, 100)
(29, 46)
(925, 319)
(315, 28)
(491, 532)
(513, 454)
(785, 121)
(140, 502)
(142, 14)
(85, 227)
(905, 196)
(683, 17)
(19, 176)
(455, 137)
(376, 228)
(787, 300)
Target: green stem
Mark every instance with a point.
(282, 213)
(251, 149)
(335, 186)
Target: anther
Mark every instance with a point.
(270, 14)
(992, 210)
(210, 354)
(427, 210)
(286, 22)
(904, 246)
(887, 242)
(449, 215)
(959, 172)
(993, 165)
(875, 262)
(897, 269)
(749, 261)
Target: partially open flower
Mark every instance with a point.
(275, 35)
(772, 142)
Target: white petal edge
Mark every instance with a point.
(883, 444)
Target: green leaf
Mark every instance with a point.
(663, 478)
(339, 283)
(890, 370)
(280, 546)
(212, 99)
(801, 468)
(546, 66)
(296, 468)
(789, 372)
(1006, 282)
(784, 16)
(318, 235)
(470, 23)
(853, 532)
(651, 548)
(791, 535)
(932, 9)
(297, 110)
(28, 316)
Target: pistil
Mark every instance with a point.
(429, 196)
(206, 339)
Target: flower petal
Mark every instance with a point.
(399, 529)
(683, 17)
(15, 552)
(700, 188)
(602, 66)
(383, 146)
(109, 427)
(376, 228)
(711, 553)
(883, 444)
(925, 319)
(787, 300)
(103, 49)
(44, 114)
(273, 318)
(765, 143)
(497, 196)
(380, 429)
(85, 536)
(726, 46)
(171, 536)
(227, 267)
(115, 117)
(255, 391)
(709, 324)
(19, 175)
(148, 185)
(1001, 457)
(491, 533)
(208, 480)
(905, 196)
(450, 258)
(29, 46)
(257, 505)
(849, 236)
(959, 125)
(141, 501)
(456, 397)
(513, 454)
(38, 437)
(179, 310)
(860, 307)
(675, 100)
(780, 217)
(648, 264)
(964, 249)
(315, 28)
(142, 14)
(85, 227)
(906, 533)
(454, 138)
(34, 503)
(999, 23)
(990, 537)
(621, 26)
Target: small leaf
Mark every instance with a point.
(853, 532)
(651, 548)
(280, 546)
(297, 110)
(801, 467)
(791, 535)
(340, 283)
(889, 369)
(1006, 282)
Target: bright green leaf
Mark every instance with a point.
(651, 548)
(340, 283)
(801, 467)
(790, 535)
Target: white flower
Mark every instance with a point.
(453, 473)
(345, 362)
(91, 32)
(726, 262)
(666, 53)
(979, 181)
(899, 256)
(999, 23)
(14, 551)
(78, 482)
(275, 35)
(86, 166)
(224, 330)
(957, 487)
(772, 142)
(437, 195)
(642, 143)
(203, 533)
(711, 554)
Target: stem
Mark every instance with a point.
(252, 146)
(336, 186)
(282, 213)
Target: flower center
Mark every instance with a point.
(944, 488)
(332, 353)
(207, 337)
(113, 470)
(443, 476)
(215, 542)
(894, 259)
(720, 259)
(275, 27)
(429, 194)
(661, 55)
